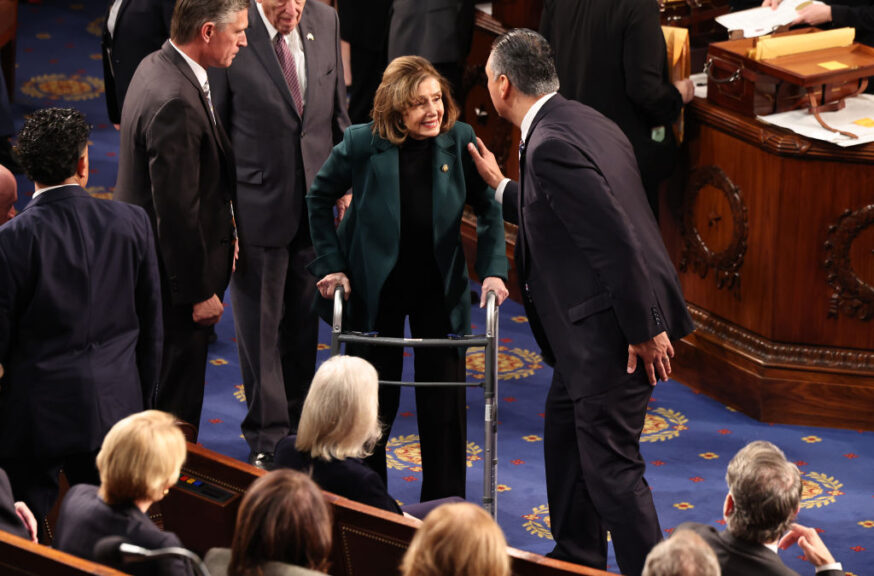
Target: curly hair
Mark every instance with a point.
(51, 143)
(766, 489)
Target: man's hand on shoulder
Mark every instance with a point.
(656, 354)
(485, 163)
(810, 542)
(208, 312)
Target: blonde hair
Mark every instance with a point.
(140, 458)
(459, 539)
(399, 91)
(340, 416)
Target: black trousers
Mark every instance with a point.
(440, 412)
(594, 472)
(35, 480)
(183, 364)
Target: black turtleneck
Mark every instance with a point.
(417, 205)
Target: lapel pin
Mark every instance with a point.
(445, 168)
(310, 36)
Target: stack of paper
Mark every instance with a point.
(764, 20)
(857, 118)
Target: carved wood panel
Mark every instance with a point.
(714, 228)
(849, 264)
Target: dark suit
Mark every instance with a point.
(278, 154)
(367, 247)
(364, 25)
(611, 55)
(741, 558)
(85, 518)
(350, 478)
(439, 30)
(80, 335)
(141, 27)
(177, 164)
(597, 278)
(9, 520)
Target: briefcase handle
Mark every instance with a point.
(733, 78)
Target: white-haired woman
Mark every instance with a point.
(339, 426)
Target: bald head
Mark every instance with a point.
(8, 194)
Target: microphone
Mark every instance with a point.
(117, 551)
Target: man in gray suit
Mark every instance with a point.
(284, 104)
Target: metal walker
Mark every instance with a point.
(489, 384)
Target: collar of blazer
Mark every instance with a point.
(384, 162)
(60, 193)
(553, 102)
(175, 58)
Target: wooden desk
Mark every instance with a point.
(774, 238)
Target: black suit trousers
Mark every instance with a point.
(183, 363)
(594, 473)
(440, 412)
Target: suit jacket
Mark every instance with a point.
(9, 520)
(741, 558)
(217, 561)
(84, 519)
(439, 30)
(364, 24)
(365, 246)
(141, 27)
(589, 241)
(611, 55)
(80, 322)
(350, 478)
(278, 153)
(178, 165)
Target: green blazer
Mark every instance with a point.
(365, 245)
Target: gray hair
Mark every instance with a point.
(189, 16)
(685, 554)
(340, 416)
(766, 489)
(525, 57)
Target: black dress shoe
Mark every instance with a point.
(262, 460)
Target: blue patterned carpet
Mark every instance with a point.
(688, 439)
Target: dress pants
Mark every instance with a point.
(35, 480)
(183, 364)
(440, 412)
(594, 471)
(277, 337)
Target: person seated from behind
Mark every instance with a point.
(15, 517)
(339, 426)
(684, 554)
(459, 539)
(283, 529)
(139, 461)
(764, 496)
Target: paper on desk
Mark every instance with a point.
(857, 117)
(763, 20)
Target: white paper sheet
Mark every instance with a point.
(857, 117)
(763, 20)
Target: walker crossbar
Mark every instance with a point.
(489, 383)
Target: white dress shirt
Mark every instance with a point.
(295, 44)
(524, 128)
